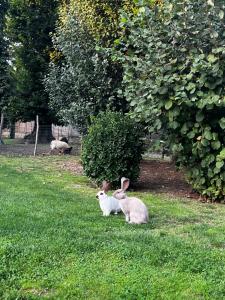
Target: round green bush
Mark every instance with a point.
(112, 148)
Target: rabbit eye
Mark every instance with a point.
(101, 193)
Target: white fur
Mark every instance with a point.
(133, 208)
(108, 204)
(59, 145)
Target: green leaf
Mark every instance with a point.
(123, 20)
(214, 34)
(142, 9)
(216, 170)
(191, 135)
(204, 142)
(158, 124)
(222, 154)
(163, 90)
(221, 14)
(210, 2)
(174, 124)
(222, 123)
(191, 86)
(218, 182)
(199, 116)
(219, 164)
(184, 129)
(210, 158)
(168, 104)
(216, 145)
(133, 102)
(212, 58)
(208, 135)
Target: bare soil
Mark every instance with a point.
(28, 149)
(156, 176)
(22, 149)
(162, 177)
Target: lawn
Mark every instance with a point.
(55, 244)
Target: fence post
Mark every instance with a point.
(36, 138)
(1, 128)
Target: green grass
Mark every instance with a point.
(54, 243)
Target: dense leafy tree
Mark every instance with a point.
(4, 74)
(30, 25)
(174, 77)
(81, 84)
(82, 79)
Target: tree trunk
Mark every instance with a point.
(44, 136)
(1, 128)
(12, 130)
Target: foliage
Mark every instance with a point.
(112, 148)
(55, 243)
(174, 76)
(4, 73)
(81, 80)
(29, 26)
(100, 17)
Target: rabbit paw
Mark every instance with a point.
(127, 218)
(106, 214)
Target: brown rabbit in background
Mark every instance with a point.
(133, 208)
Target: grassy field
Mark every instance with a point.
(54, 243)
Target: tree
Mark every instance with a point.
(81, 84)
(101, 18)
(29, 28)
(82, 80)
(4, 74)
(174, 76)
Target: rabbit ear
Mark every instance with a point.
(105, 186)
(125, 182)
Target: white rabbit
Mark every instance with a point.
(107, 204)
(133, 208)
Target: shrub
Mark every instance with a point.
(174, 77)
(112, 148)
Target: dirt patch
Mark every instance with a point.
(163, 177)
(155, 177)
(74, 167)
(28, 149)
(22, 149)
